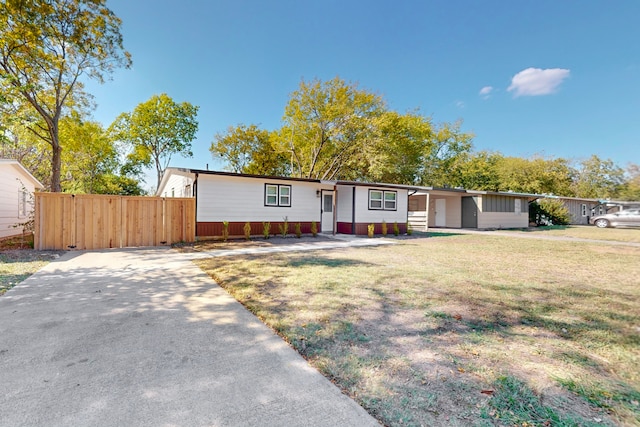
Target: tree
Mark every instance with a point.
(249, 149)
(448, 146)
(478, 171)
(630, 189)
(535, 175)
(155, 130)
(598, 179)
(91, 161)
(397, 152)
(326, 126)
(46, 46)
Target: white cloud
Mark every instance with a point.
(460, 104)
(485, 92)
(536, 81)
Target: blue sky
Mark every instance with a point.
(557, 78)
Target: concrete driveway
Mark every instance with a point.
(145, 338)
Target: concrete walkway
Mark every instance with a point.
(330, 242)
(145, 338)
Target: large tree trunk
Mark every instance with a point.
(56, 158)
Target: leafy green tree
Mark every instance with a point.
(598, 179)
(326, 125)
(477, 171)
(630, 189)
(155, 130)
(91, 161)
(248, 149)
(448, 147)
(396, 154)
(535, 175)
(46, 47)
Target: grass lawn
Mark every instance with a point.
(587, 232)
(460, 329)
(18, 261)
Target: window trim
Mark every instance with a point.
(383, 200)
(279, 195)
(583, 209)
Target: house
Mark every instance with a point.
(580, 209)
(459, 208)
(17, 186)
(334, 206)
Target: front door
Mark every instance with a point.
(469, 212)
(441, 212)
(327, 211)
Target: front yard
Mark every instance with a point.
(460, 329)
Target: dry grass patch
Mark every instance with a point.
(631, 235)
(460, 330)
(17, 265)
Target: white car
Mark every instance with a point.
(626, 218)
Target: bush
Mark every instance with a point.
(266, 229)
(314, 228)
(284, 227)
(396, 229)
(225, 231)
(409, 229)
(370, 230)
(298, 230)
(384, 228)
(247, 230)
(549, 212)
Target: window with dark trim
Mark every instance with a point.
(277, 195)
(383, 200)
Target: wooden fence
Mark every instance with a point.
(89, 221)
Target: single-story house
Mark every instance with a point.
(580, 209)
(17, 186)
(459, 208)
(334, 206)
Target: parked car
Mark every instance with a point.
(626, 218)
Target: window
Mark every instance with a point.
(277, 195)
(583, 209)
(390, 200)
(328, 203)
(22, 203)
(383, 200)
(187, 190)
(375, 199)
(173, 192)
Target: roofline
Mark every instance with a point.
(248, 175)
(34, 180)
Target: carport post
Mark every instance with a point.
(426, 224)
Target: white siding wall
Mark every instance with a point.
(345, 203)
(363, 214)
(224, 198)
(502, 220)
(453, 215)
(10, 194)
(178, 183)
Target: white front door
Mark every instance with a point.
(327, 211)
(441, 212)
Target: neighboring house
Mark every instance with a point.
(458, 208)
(580, 209)
(334, 206)
(17, 186)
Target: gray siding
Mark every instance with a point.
(493, 203)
